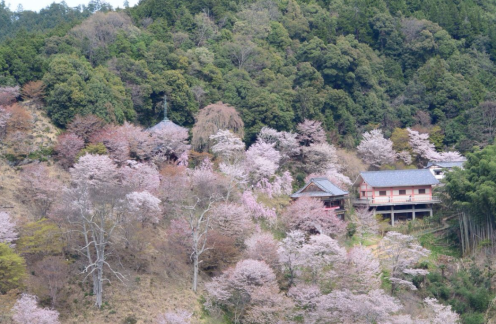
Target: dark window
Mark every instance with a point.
(421, 191)
(402, 192)
(382, 193)
(363, 193)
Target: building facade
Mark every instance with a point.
(398, 194)
(439, 169)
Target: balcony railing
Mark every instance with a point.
(397, 200)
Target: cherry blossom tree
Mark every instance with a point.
(180, 316)
(321, 254)
(140, 176)
(441, 314)
(362, 272)
(290, 254)
(285, 142)
(26, 311)
(250, 292)
(342, 306)
(451, 156)
(308, 214)
(375, 150)
(311, 132)
(404, 156)
(39, 188)
(320, 157)
(231, 219)
(8, 95)
(262, 161)
(116, 144)
(280, 185)
(206, 189)
(312, 261)
(169, 143)
(422, 146)
(258, 210)
(67, 148)
(144, 207)
(96, 206)
(262, 246)
(399, 253)
(367, 222)
(227, 145)
(4, 119)
(8, 232)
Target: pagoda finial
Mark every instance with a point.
(165, 108)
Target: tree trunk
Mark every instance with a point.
(195, 271)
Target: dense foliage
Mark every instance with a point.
(352, 65)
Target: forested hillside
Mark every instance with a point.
(147, 155)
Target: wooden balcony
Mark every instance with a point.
(397, 200)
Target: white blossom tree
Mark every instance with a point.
(8, 232)
(399, 253)
(26, 311)
(376, 150)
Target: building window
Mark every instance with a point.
(402, 192)
(382, 193)
(421, 191)
(363, 193)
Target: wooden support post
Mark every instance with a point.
(392, 215)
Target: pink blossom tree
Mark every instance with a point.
(308, 214)
(144, 207)
(258, 210)
(8, 95)
(367, 222)
(227, 145)
(262, 161)
(250, 292)
(320, 157)
(311, 132)
(39, 188)
(425, 149)
(4, 118)
(285, 142)
(342, 306)
(375, 150)
(26, 311)
(8, 232)
(280, 185)
(290, 255)
(440, 314)
(115, 142)
(180, 316)
(362, 272)
(140, 176)
(96, 206)
(232, 220)
(67, 148)
(262, 246)
(399, 253)
(404, 156)
(169, 143)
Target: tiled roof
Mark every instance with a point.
(327, 187)
(163, 125)
(398, 178)
(441, 164)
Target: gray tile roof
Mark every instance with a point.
(398, 178)
(327, 187)
(162, 125)
(441, 164)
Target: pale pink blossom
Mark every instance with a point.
(376, 150)
(26, 311)
(8, 232)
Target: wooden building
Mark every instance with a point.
(399, 194)
(321, 188)
(438, 169)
